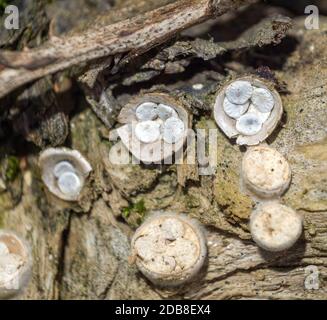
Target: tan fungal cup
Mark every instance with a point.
(154, 127)
(248, 109)
(64, 172)
(265, 172)
(275, 227)
(15, 264)
(170, 249)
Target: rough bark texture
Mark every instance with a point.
(81, 250)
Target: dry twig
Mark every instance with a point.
(133, 36)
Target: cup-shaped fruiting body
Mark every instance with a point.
(265, 172)
(64, 172)
(275, 227)
(248, 109)
(15, 264)
(170, 249)
(154, 126)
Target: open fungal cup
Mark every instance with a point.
(170, 249)
(15, 264)
(64, 172)
(265, 172)
(154, 127)
(275, 227)
(248, 109)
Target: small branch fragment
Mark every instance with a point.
(133, 36)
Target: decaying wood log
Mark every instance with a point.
(80, 250)
(133, 36)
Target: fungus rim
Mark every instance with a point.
(263, 192)
(50, 157)
(298, 219)
(20, 247)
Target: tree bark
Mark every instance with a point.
(80, 250)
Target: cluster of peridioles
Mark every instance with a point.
(248, 109)
(169, 248)
(153, 126)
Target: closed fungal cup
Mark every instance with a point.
(275, 227)
(265, 172)
(170, 249)
(15, 264)
(64, 172)
(154, 126)
(248, 109)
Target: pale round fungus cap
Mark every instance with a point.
(146, 111)
(147, 131)
(263, 99)
(15, 264)
(265, 172)
(170, 249)
(62, 167)
(249, 124)
(69, 183)
(235, 110)
(173, 130)
(239, 92)
(164, 112)
(275, 227)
